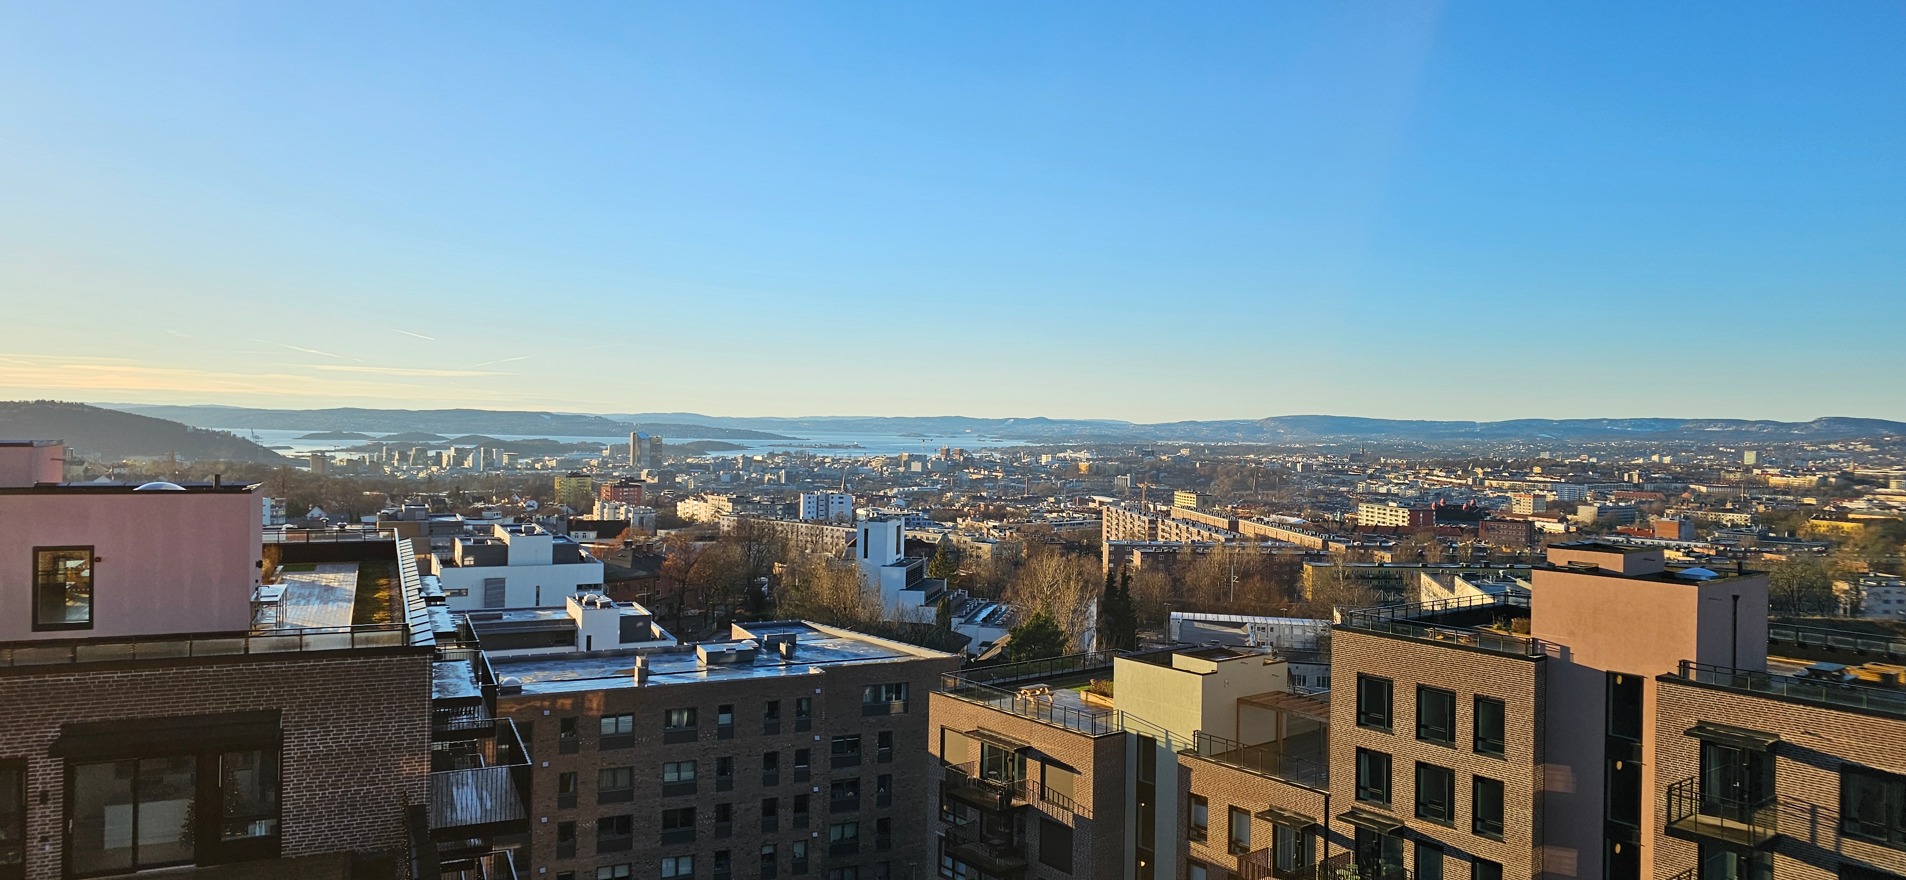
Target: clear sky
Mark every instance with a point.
(1140, 211)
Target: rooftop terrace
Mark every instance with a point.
(1846, 697)
(815, 648)
(1465, 621)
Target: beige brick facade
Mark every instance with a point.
(1518, 681)
(1814, 744)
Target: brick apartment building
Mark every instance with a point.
(1617, 720)
(159, 715)
(788, 749)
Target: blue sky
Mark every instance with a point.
(1140, 211)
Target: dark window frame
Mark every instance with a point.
(92, 588)
(1424, 733)
(1480, 824)
(1427, 809)
(1892, 790)
(1367, 789)
(1367, 715)
(1481, 745)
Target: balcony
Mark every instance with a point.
(992, 854)
(479, 784)
(1261, 865)
(1700, 815)
(963, 782)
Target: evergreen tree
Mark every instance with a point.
(945, 564)
(1126, 636)
(1035, 638)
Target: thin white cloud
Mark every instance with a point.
(509, 360)
(408, 333)
(404, 371)
(317, 352)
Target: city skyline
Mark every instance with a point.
(1466, 212)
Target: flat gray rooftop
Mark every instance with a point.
(565, 673)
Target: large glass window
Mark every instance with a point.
(62, 588)
(1290, 849)
(1435, 715)
(1200, 818)
(133, 814)
(248, 789)
(1873, 805)
(1373, 701)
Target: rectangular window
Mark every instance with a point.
(248, 791)
(1624, 706)
(616, 732)
(1429, 861)
(615, 785)
(771, 714)
(883, 747)
(678, 725)
(1435, 715)
(1486, 807)
(678, 866)
(1290, 849)
(844, 751)
(1873, 805)
(1491, 719)
(1055, 845)
(1238, 831)
(1373, 702)
(1373, 777)
(678, 778)
(138, 813)
(725, 715)
(62, 588)
(615, 834)
(678, 825)
(1199, 824)
(610, 872)
(884, 699)
(1435, 793)
(1483, 869)
(565, 840)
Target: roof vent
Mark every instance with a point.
(1698, 574)
(160, 486)
(509, 684)
(727, 653)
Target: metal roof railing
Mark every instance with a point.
(331, 638)
(1828, 694)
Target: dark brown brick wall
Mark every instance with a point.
(1519, 682)
(356, 730)
(837, 692)
(1815, 743)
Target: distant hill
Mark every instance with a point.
(1273, 430)
(109, 435)
(1317, 428)
(447, 422)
